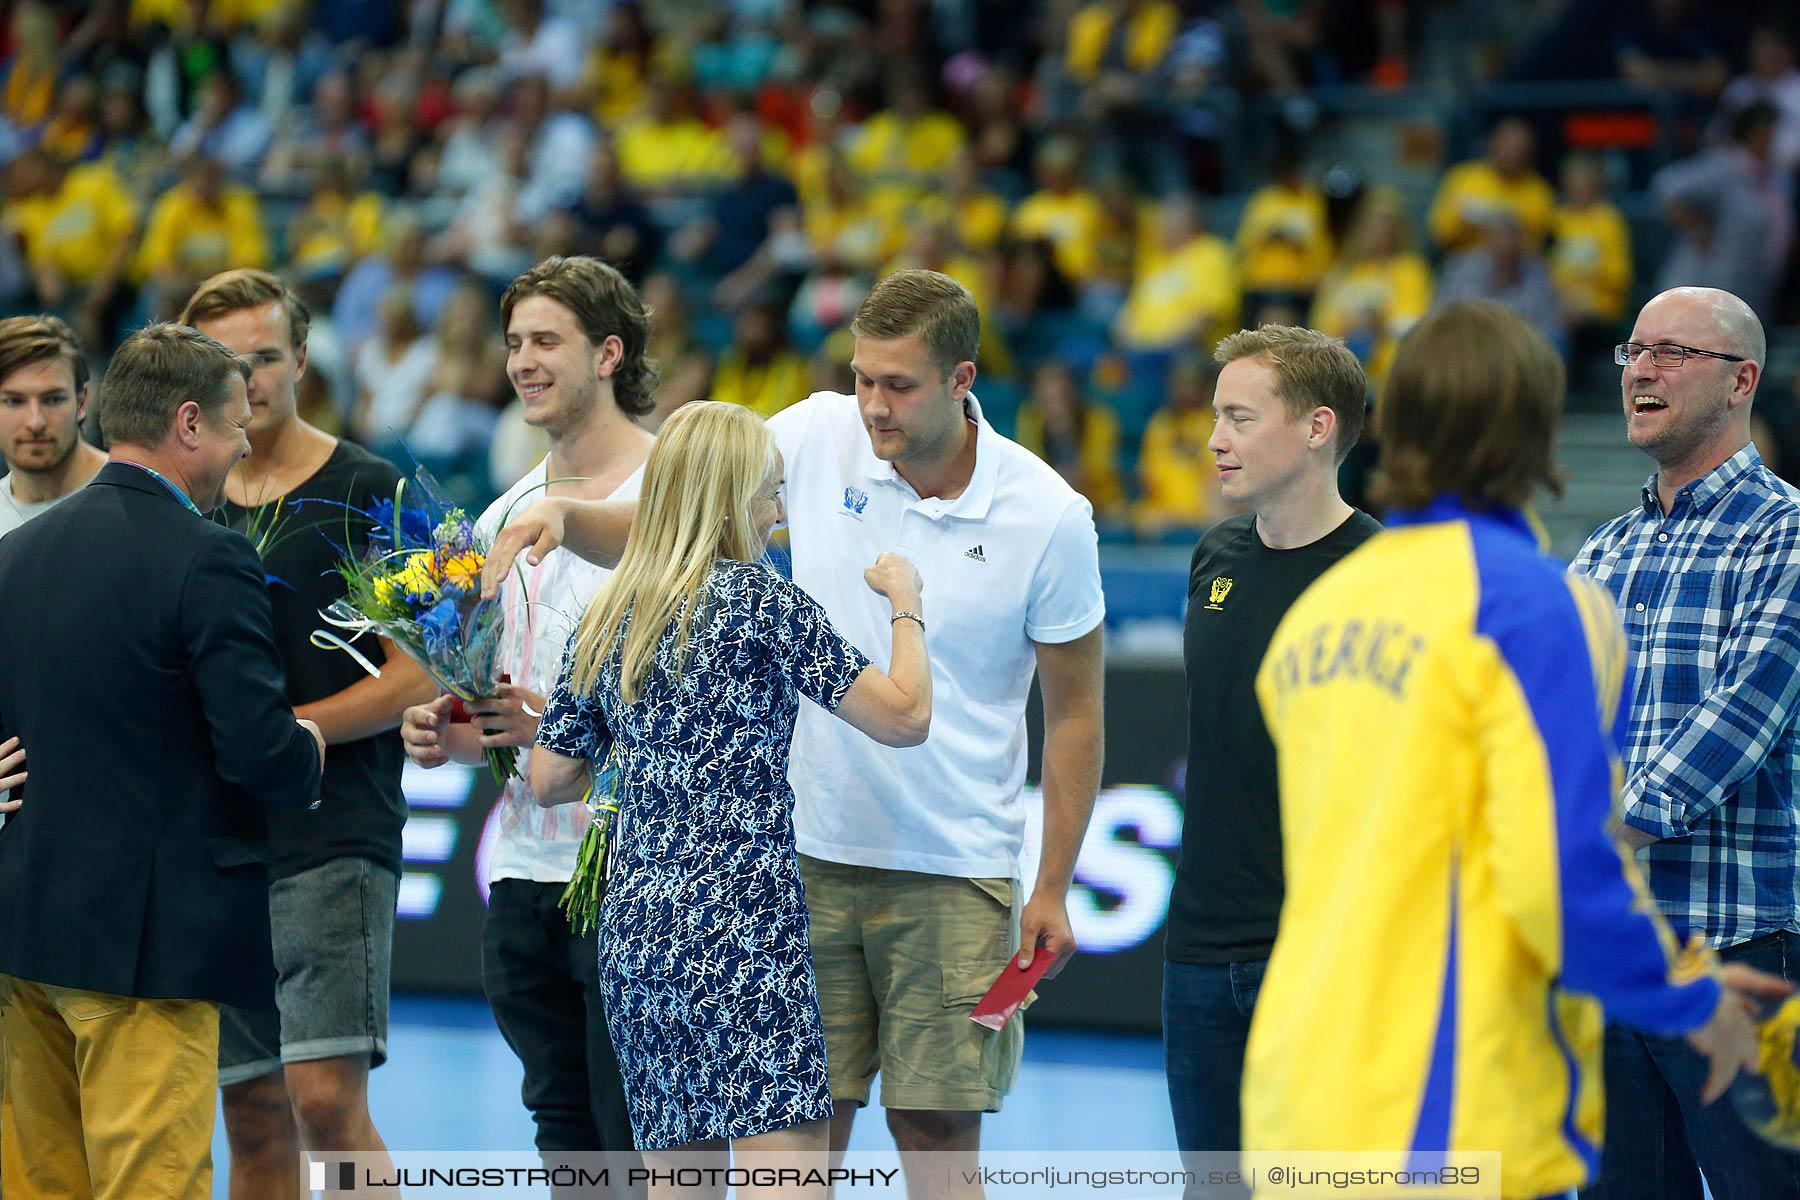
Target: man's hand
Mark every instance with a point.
(536, 531)
(509, 717)
(1044, 928)
(318, 737)
(421, 732)
(1729, 1040)
(12, 758)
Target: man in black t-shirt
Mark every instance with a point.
(299, 1076)
(1289, 405)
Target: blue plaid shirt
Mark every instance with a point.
(1710, 594)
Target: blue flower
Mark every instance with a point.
(415, 525)
(443, 627)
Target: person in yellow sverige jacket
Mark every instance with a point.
(1445, 705)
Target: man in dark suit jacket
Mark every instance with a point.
(142, 676)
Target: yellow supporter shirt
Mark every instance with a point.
(78, 231)
(1147, 39)
(1099, 454)
(657, 155)
(1070, 221)
(1283, 241)
(617, 84)
(1472, 194)
(339, 230)
(808, 167)
(29, 96)
(764, 389)
(892, 144)
(1392, 292)
(226, 14)
(864, 232)
(1590, 259)
(1446, 705)
(1176, 470)
(979, 219)
(191, 239)
(1188, 293)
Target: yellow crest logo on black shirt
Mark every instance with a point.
(1221, 588)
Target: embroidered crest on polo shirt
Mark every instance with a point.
(855, 500)
(975, 553)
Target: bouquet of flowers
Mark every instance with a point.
(419, 585)
(581, 899)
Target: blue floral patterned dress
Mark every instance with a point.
(704, 960)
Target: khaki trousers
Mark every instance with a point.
(105, 1097)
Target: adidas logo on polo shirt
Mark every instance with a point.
(975, 553)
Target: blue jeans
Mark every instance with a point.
(1660, 1138)
(1206, 1014)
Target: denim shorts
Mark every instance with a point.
(333, 930)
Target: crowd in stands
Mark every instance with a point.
(755, 165)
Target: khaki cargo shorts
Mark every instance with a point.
(901, 958)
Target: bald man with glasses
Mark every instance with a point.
(1706, 571)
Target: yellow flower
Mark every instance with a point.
(417, 580)
(463, 571)
(387, 591)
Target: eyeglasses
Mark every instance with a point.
(1665, 354)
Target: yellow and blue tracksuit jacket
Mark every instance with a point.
(1446, 705)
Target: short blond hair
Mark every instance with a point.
(247, 287)
(157, 370)
(1312, 370)
(927, 303)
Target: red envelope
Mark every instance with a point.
(1009, 991)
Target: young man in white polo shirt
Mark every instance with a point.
(911, 857)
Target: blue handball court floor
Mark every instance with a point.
(450, 1083)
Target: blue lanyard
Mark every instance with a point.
(177, 492)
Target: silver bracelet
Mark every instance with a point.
(909, 616)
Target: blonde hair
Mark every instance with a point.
(928, 303)
(246, 287)
(1311, 370)
(709, 462)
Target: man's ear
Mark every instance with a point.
(608, 355)
(1323, 427)
(962, 379)
(1743, 385)
(187, 424)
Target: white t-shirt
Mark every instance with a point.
(557, 51)
(396, 389)
(15, 512)
(530, 842)
(1011, 561)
